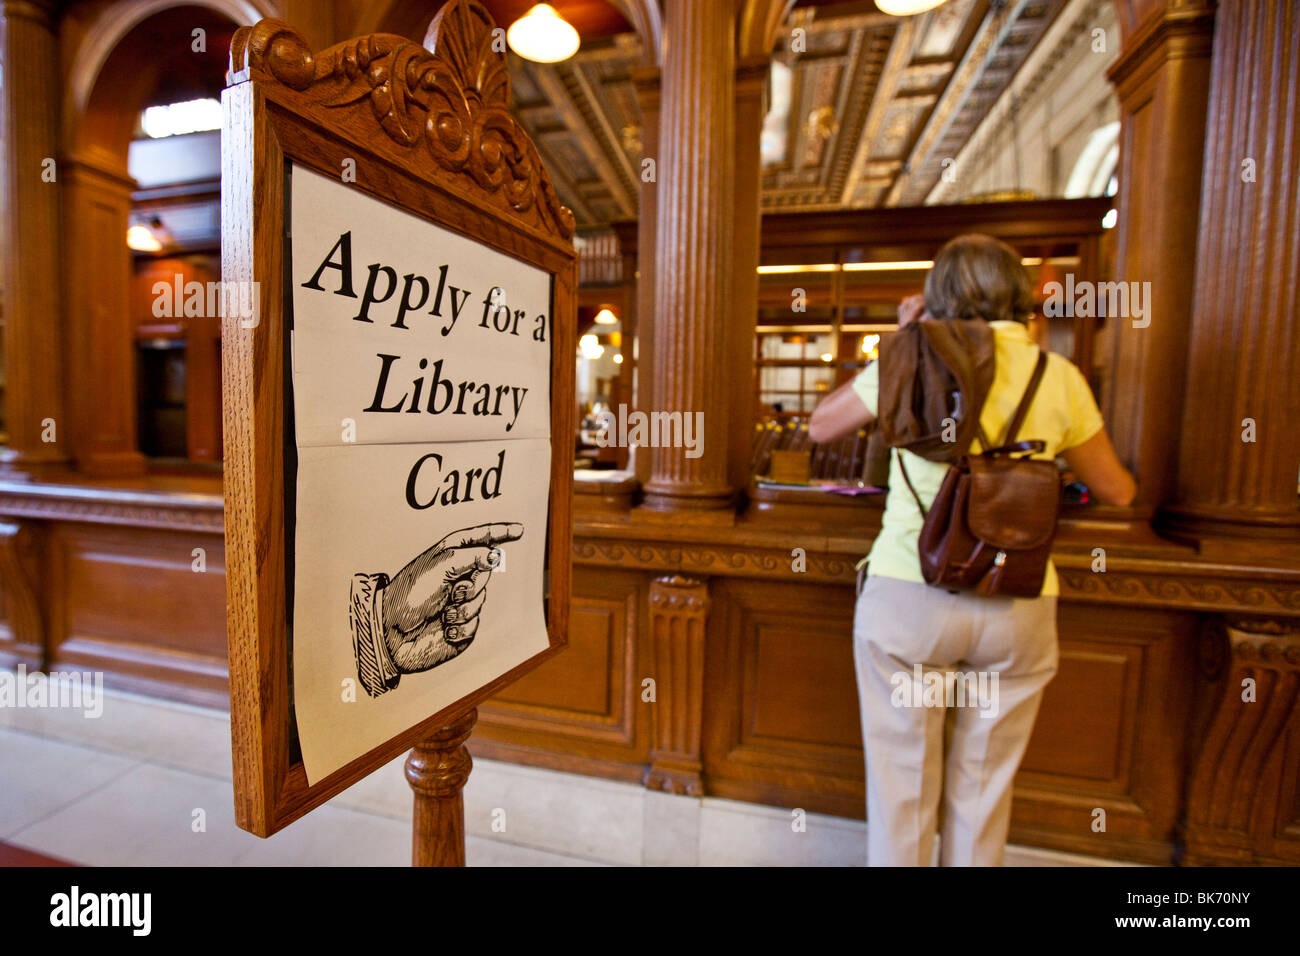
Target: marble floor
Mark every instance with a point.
(148, 783)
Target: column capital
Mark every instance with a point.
(1174, 33)
(43, 12)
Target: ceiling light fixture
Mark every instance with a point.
(906, 8)
(141, 239)
(897, 266)
(153, 236)
(543, 36)
(606, 317)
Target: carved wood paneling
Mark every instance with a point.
(101, 363)
(1241, 806)
(1110, 737)
(452, 103)
(131, 603)
(21, 608)
(589, 696)
(679, 607)
(782, 724)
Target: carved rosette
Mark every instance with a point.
(451, 100)
(1237, 807)
(679, 608)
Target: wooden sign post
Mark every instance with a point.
(398, 396)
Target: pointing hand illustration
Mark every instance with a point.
(428, 612)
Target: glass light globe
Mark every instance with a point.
(542, 35)
(906, 8)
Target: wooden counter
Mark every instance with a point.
(125, 577)
(716, 658)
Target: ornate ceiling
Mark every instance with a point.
(867, 107)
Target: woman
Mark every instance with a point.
(904, 628)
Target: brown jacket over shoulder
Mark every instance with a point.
(930, 371)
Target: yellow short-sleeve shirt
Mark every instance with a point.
(1063, 414)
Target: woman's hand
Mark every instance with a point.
(911, 309)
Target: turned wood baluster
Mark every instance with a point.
(437, 769)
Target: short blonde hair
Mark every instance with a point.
(978, 277)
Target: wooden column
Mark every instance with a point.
(1240, 442)
(437, 769)
(100, 339)
(29, 238)
(1240, 804)
(693, 259)
(622, 390)
(679, 608)
(647, 94)
(751, 107)
(1162, 79)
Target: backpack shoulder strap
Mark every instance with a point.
(907, 478)
(1013, 428)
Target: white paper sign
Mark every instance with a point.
(421, 386)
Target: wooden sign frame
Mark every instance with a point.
(430, 133)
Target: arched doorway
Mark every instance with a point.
(132, 55)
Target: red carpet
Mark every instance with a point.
(16, 856)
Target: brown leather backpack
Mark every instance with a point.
(990, 527)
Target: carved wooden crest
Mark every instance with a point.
(451, 103)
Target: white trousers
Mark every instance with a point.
(920, 652)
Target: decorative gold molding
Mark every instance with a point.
(170, 517)
(717, 560)
(1181, 589)
(454, 100)
(1181, 586)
